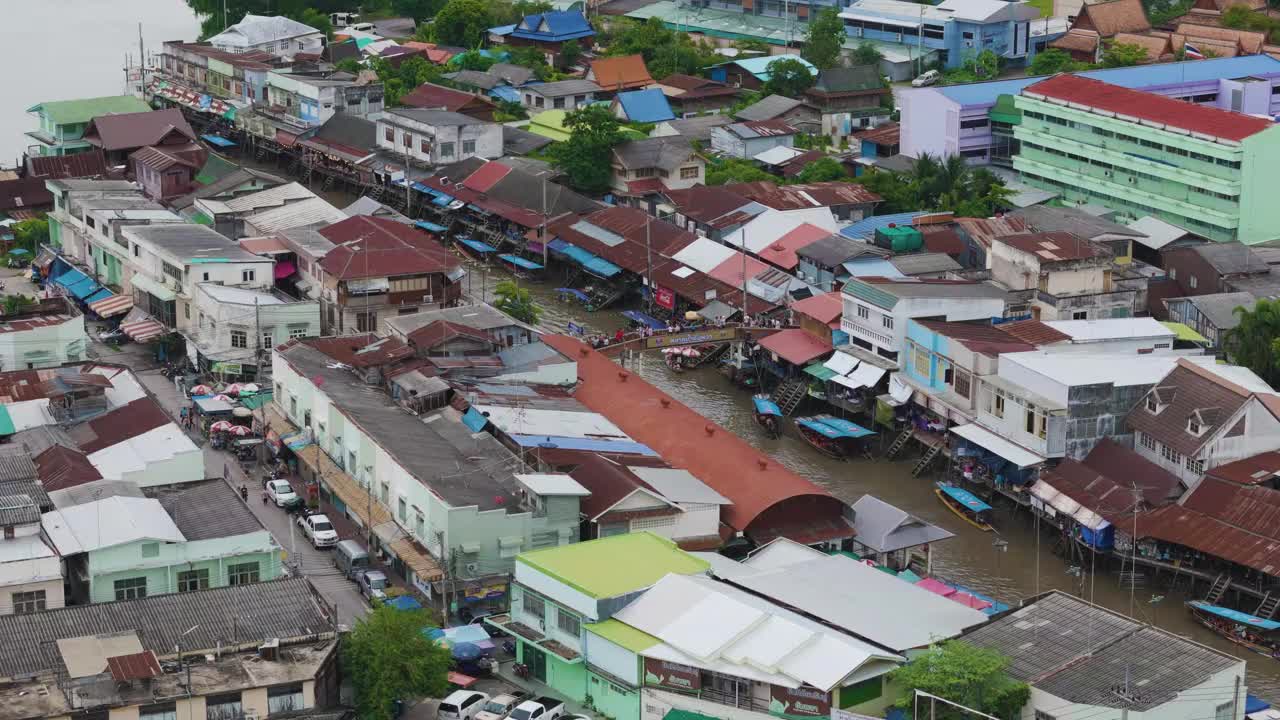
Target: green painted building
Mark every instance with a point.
(561, 603)
(1206, 169)
(62, 122)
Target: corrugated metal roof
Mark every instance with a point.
(107, 523)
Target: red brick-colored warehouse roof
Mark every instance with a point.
(768, 499)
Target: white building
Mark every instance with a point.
(1200, 416)
(30, 571)
(277, 35)
(241, 325)
(749, 139)
(1083, 661)
(87, 214)
(316, 97)
(45, 335)
(560, 95)
(438, 137)
(268, 211)
(876, 309)
(169, 261)
(1123, 336)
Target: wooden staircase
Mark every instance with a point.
(789, 394)
(898, 443)
(1270, 603)
(926, 459)
(1218, 589)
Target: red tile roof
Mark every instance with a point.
(61, 467)
(1153, 108)
(1253, 470)
(1157, 485)
(826, 308)
(1034, 332)
(1191, 529)
(623, 72)
(1051, 247)
(24, 194)
(1188, 389)
(796, 346)
(805, 195)
(89, 164)
(138, 666)
(1091, 488)
(730, 271)
(783, 250)
(362, 350)
(373, 247)
(123, 423)
(486, 176)
(979, 337)
(608, 481)
(687, 82)
(704, 203)
(1249, 507)
(766, 496)
(431, 335)
(945, 240)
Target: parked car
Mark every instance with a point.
(373, 584)
(499, 706)
(928, 77)
(461, 705)
(350, 558)
(282, 494)
(318, 530)
(577, 717)
(543, 708)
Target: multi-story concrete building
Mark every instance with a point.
(876, 309)
(956, 29)
(437, 137)
(47, 334)
(63, 122)
(30, 571)
(1064, 277)
(240, 326)
(1145, 154)
(269, 33)
(313, 98)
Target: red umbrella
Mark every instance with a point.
(240, 430)
(202, 390)
(221, 426)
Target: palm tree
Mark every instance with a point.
(1253, 343)
(516, 302)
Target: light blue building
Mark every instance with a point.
(955, 29)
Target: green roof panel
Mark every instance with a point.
(69, 112)
(615, 565)
(622, 634)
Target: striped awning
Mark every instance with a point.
(144, 330)
(111, 306)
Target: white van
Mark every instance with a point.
(461, 705)
(926, 78)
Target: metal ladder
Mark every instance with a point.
(898, 444)
(1218, 589)
(1267, 609)
(928, 457)
(789, 394)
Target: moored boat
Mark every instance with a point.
(520, 267)
(965, 505)
(474, 249)
(834, 436)
(1257, 634)
(768, 415)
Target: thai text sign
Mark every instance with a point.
(674, 676)
(799, 702)
(694, 337)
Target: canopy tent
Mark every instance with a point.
(824, 426)
(101, 294)
(77, 284)
(590, 262)
(644, 319)
(765, 406)
(842, 363)
(1011, 452)
(820, 371)
(217, 141)
(144, 329)
(429, 226)
(965, 498)
(284, 269)
(111, 305)
(476, 245)
(520, 262)
(717, 312)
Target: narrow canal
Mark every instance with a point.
(102, 33)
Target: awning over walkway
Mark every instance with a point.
(795, 346)
(111, 306)
(144, 329)
(1064, 504)
(1012, 452)
(153, 288)
(77, 284)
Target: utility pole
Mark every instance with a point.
(542, 231)
(257, 344)
(408, 190)
(445, 579)
(744, 273)
(648, 259)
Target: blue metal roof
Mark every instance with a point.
(759, 66)
(476, 245)
(1137, 77)
(588, 444)
(848, 428)
(648, 106)
(520, 262)
(765, 406)
(644, 319)
(964, 497)
(502, 29)
(101, 294)
(430, 226)
(560, 26)
(474, 420)
(865, 228)
(1236, 616)
(506, 93)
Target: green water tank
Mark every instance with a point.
(899, 238)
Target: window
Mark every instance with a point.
(1170, 454)
(297, 332)
(1147, 441)
(239, 339)
(205, 277)
(28, 602)
(159, 711)
(1191, 282)
(402, 509)
(1173, 273)
(863, 312)
(689, 173)
(1194, 427)
(468, 147)
(998, 407)
(284, 699)
(9, 532)
(419, 524)
(887, 321)
(150, 550)
(446, 150)
(1195, 466)
(425, 145)
(567, 622)
(131, 588)
(558, 103)
(243, 573)
(962, 382)
(390, 134)
(1223, 711)
(137, 252)
(1080, 315)
(223, 707)
(1153, 406)
(268, 338)
(533, 605)
(920, 358)
(408, 140)
(366, 321)
(1042, 715)
(384, 493)
(192, 580)
(248, 275)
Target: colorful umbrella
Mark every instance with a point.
(249, 389)
(202, 390)
(222, 397)
(221, 426)
(239, 430)
(233, 389)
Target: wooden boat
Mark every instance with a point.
(965, 505)
(768, 415)
(1257, 634)
(834, 436)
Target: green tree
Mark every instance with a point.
(516, 302)
(399, 81)
(388, 658)
(570, 53)
(587, 157)
(824, 39)
(1255, 342)
(350, 65)
(788, 77)
(476, 61)
(947, 185)
(866, 54)
(1119, 54)
(664, 50)
(821, 170)
(316, 19)
(736, 170)
(1053, 61)
(962, 673)
(754, 46)
(211, 13)
(14, 304)
(463, 23)
(509, 110)
(31, 234)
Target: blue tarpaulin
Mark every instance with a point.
(430, 226)
(442, 200)
(819, 425)
(1236, 616)
(404, 602)
(520, 262)
(627, 447)
(645, 319)
(591, 263)
(474, 420)
(102, 294)
(422, 188)
(765, 406)
(476, 245)
(218, 141)
(1253, 704)
(77, 284)
(576, 293)
(850, 429)
(557, 245)
(964, 497)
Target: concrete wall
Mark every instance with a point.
(161, 571)
(1095, 412)
(486, 136)
(612, 658)
(608, 701)
(53, 592)
(930, 122)
(41, 347)
(1259, 213)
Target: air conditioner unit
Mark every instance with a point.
(472, 568)
(427, 298)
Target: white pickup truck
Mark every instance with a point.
(500, 706)
(543, 708)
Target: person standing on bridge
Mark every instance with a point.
(618, 336)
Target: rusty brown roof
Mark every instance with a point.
(984, 230)
(1157, 46)
(1116, 16)
(1049, 247)
(1187, 390)
(1092, 489)
(128, 131)
(1251, 42)
(1034, 332)
(1209, 535)
(979, 337)
(1157, 485)
(1249, 507)
(1253, 470)
(1083, 41)
(807, 195)
(887, 134)
(138, 666)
